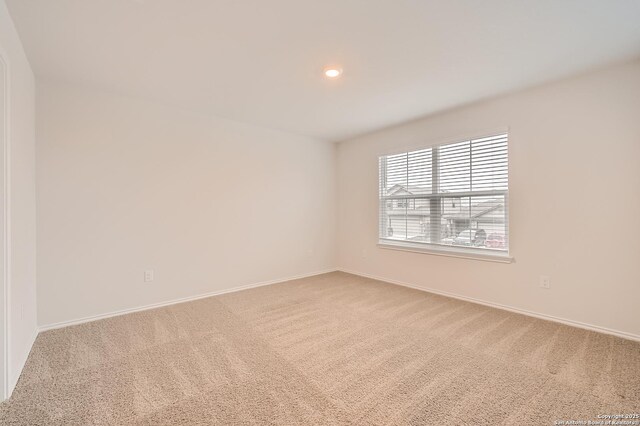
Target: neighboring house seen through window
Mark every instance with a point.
(451, 196)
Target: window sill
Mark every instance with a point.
(445, 251)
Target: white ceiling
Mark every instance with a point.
(261, 61)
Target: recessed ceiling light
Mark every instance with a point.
(332, 72)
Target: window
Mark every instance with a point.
(450, 198)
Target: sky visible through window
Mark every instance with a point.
(489, 172)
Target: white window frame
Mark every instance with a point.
(445, 250)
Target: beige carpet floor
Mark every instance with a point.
(331, 349)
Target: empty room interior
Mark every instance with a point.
(299, 212)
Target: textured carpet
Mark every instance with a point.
(331, 349)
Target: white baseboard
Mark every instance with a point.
(591, 327)
(176, 301)
(13, 381)
(622, 334)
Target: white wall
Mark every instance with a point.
(22, 231)
(126, 185)
(574, 201)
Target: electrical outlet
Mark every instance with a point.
(148, 275)
(545, 282)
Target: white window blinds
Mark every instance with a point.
(448, 195)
